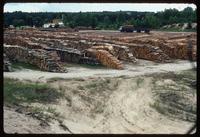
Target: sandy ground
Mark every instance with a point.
(126, 109)
(15, 122)
(131, 70)
(103, 102)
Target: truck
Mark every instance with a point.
(131, 28)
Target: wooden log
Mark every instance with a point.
(41, 59)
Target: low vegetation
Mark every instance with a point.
(55, 79)
(20, 65)
(16, 92)
(99, 86)
(44, 114)
(99, 66)
(21, 95)
(175, 95)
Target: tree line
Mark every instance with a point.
(103, 20)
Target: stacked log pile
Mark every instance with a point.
(108, 59)
(175, 47)
(90, 53)
(74, 56)
(149, 52)
(104, 56)
(89, 61)
(182, 49)
(67, 55)
(40, 58)
(124, 47)
(16, 53)
(6, 64)
(22, 42)
(124, 53)
(120, 52)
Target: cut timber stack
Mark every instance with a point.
(39, 58)
(181, 50)
(16, 53)
(108, 59)
(120, 52)
(89, 61)
(124, 53)
(73, 56)
(90, 53)
(6, 64)
(158, 47)
(175, 47)
(149, 52)
(67, 54)
(21, 42)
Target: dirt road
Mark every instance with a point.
(131, 70)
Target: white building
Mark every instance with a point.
(56, 23)
(61, 24)
(49, 25)
(11, 26)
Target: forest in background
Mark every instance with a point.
(103, 20)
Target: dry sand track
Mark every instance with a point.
(144, 67)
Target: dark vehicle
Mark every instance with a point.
(131, 28)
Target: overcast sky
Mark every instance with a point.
(84, 7)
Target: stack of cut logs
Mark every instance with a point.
(73, 56)
(108, 59)
(86, 46)
(39, 58)
(22, 42)
(120, 52)
(181, 50)
(16, 53)
(124, 53)
(175, 47)
(150, 53)
(6, 64)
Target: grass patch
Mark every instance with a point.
(20, 65)
(85, 66)
(17, 92)
(81, 87)
(192, 74)
(93, 66)
(99, 86)
(44, 113)
(173, 93)
(186, 77)
(139, 81)
(55, 79)
(122, 76)
(157, 106)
